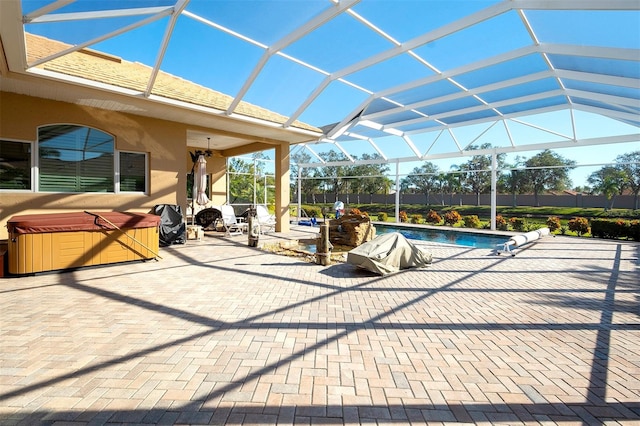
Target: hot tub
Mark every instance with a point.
(47, 242)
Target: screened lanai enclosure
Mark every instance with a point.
(388, 83)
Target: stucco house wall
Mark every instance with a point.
(163, 141)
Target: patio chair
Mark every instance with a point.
(230, 222)
(267, 221)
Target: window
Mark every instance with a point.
(81, 159)
(15, 165)
(75, 159)
(133, 172)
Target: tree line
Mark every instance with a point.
(544, 172)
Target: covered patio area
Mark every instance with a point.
(218, 332)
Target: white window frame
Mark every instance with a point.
(117, 172)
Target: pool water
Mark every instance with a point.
(460, 238)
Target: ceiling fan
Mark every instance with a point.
(198, 153)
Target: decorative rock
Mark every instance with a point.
(351, 230)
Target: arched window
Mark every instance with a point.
(75, 159)
(82, 159)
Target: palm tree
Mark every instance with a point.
(514, 181)
(609, 181)
(454, 183)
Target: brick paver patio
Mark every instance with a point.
(218, 332)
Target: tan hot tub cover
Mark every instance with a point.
(388, 253)
(79, 221)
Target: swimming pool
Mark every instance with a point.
(460, 238)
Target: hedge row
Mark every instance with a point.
(616, 228)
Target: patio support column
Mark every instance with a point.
(255, 199)
(397, 191)
(219, 189)
(283, 191)
(228, 179)
(494, 190)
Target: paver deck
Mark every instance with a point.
(218, 332)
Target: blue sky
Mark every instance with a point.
(223, 61)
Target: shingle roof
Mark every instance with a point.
(96, 66)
